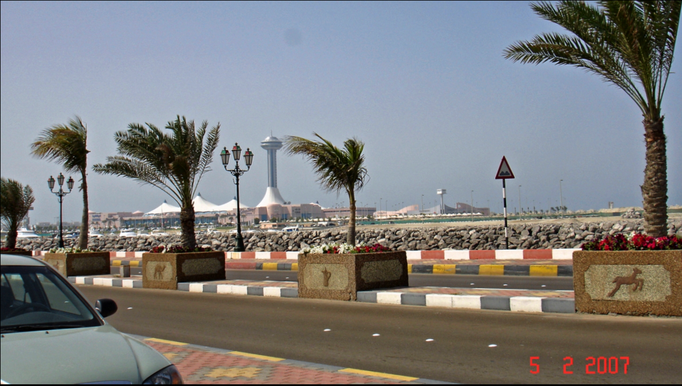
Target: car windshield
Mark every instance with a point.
(36, 298)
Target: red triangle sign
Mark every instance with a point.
(504, 171)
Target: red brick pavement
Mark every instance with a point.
(205, 365)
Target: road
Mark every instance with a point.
(461, 349)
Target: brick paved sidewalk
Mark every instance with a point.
(207, 365)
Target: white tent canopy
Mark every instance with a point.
(164, 208)
(230, 205)
(201, 205)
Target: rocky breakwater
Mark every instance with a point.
(521, 236)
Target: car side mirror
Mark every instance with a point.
(106, 307)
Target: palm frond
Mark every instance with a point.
(627, 43)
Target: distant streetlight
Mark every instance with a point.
(237, 172)
(60, 194)
(520, 208)
(421, 211)
(561, 196)
(472, 204)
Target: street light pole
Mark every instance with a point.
(472, 204)
(60, 194)
(561, 197)
(237, 172)
(520, 209)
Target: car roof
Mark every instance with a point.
(7, 259)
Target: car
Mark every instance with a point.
(51, 334)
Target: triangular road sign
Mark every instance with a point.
(504, 171)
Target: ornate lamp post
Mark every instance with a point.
(237, 172)
(61, 193)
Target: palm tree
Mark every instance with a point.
(173, 163)
(336, 168)
(629, 44)
(15, 202)
(67, 144)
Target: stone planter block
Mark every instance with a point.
(628, 282)
(20, 253)
(341, 276)
(79, 264)
(166, 270)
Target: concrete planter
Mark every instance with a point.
(166, 270)
(341, 276)
(20, 253)
(79, 264)
(628, 282)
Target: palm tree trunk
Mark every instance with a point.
(655, 187)
(187, 224)
(83, 238)
(12, 235)
(350, 239)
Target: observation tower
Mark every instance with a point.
(272, 195)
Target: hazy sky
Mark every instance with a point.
(424, 85)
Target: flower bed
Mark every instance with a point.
(78, 262)
(16, 251)
(636, 242)
(634, 275)
(338, 272)
(164, 268)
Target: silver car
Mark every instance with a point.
(50, 334)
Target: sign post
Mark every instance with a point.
(504, 172)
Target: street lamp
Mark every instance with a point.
(237, 172)
(472, 204)
(520, 208)
(60, 194)
(561, 197)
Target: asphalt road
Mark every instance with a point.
(461, 349)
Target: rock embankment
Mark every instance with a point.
(521, 236)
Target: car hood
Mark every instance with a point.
(79, 355)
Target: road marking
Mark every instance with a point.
(256, 356)
(174, 343)
(377, 374)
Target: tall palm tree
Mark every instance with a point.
(337, 169)
(629, 44)
(15, 202)
(67, 144)
(173, 163)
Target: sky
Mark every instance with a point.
(424, 85)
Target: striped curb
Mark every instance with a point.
(499, 254)
(474, 302)
(492, 269)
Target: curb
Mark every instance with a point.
(474, 302)
(439, 269)
(477, 254)
(492, 269)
